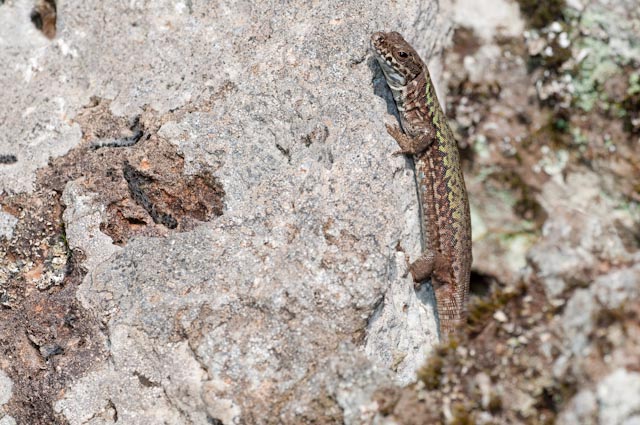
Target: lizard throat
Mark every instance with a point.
(396, 82)
(394, 78)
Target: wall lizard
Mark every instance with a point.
(444, 206)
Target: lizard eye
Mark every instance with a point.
(403, 54)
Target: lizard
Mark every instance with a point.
(445, 220)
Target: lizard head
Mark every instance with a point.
(398, 60)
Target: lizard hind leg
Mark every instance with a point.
(430, 263)
(423, 267)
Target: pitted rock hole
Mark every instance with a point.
(139, 176)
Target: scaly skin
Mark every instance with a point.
(425, 134)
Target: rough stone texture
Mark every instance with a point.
(599, 319)
(7, 420)
(45, 92)
(82, 218)
(291, 307)
(565, 266)
(6, 389)
(581, 409)
(488, 18)
(619, 398)
(7, 223)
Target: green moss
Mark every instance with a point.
(634, 84)
(495, 404)
(431, 373)
(602, 62)
(561, 125)
(63, 237)
(631, 105)
(586, 82)
(462, 415)
(578, 137)
(522, 199)
(540, 13)
(482, 309)
(608, 316)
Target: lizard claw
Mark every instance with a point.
(394, 131)
(407, 268)
(406, 142)
(416, 283)
(407, 263)
(392, 128)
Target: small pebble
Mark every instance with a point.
(500, 316)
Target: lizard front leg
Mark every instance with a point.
(409, 145)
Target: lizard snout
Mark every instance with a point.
(377, 38)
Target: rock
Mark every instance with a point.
(577, 320)
(83, 217)
(500, 316)
(619, 397)
(581, 409)
(618, 287)
(289, 307)
(7, 420)
(566, 253)
(7, 223)
(6, 388)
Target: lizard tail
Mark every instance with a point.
(452, 313)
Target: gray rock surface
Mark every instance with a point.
(291, 307)
(6, 390)
(7, 223)
(566, 251)
(582, 409)
(82, 218)
(619, 398)
(565, 257)
(7, 420)
(6, 387)
(46, 90)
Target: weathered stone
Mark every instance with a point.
(291, 306)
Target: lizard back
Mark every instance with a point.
(443, 193)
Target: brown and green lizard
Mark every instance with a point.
(444, 206)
